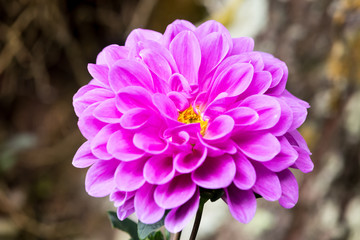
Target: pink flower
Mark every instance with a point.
(166, 115)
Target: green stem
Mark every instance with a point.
(177, 236)
(197, 219)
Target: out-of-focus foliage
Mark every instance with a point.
(45, 47)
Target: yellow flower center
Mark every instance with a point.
(190, 116)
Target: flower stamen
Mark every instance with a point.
(190, 116)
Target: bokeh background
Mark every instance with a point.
(45, 46)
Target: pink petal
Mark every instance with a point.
(296, 139)
(215, 173)
(303, 163)
(123, 214)
(107, 111)
(212, 26)
(214, 47)
(165, 106)
(126, 73)
(120, 145)
(179, 83)
(284, 159)
(180, 101)
(179, 217)
(110, 54)
(245, 173)
(220, 128)
(268, 109)
(146, 208)
(99, 72)
(241, 45)
(242, 203)
(267, 183)
(176, 192)
(186, 162)
(129, 175)
(150, 141)
(186, 51)
(260, 84)
(133, 97)
(139, 35)
(89, 95)
(98, 144)
(285, 121)
(156, 63)
(175, 28)
(159, 169)
(83, 157)
(290, 189)
(135, 118)
(99, 181)
(233, 80)
(243, 116)
(88, 125)
(260, 146)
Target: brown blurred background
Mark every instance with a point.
(45, 46)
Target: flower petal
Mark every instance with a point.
(217, 172)
(267, 183)
(284, 159)
(186, 51)
(98, 144)
(88, 125)
(127, 72)
(99, 72)
(135, 118)
(258, 146)
(110, 54)
(99, 181)
(241, 45)
(173, 29)
(165, 106)
(180, 101)
(260, 83)
(156, 63)
(129, 175)
(243, 116)
(176, 192)
(268, 109)
(146, 208)
(178, 217)
(133, 97)
(159, 169)
(233, 80)
(107, 111)
(186, 162)
(290, 189)
(303, 163)
(120, 145)
(89, 95)
(139, 35)
(242, 203)
(220, 128)
(148, 140)
(245, 173)
(83, 157)
(214, 47)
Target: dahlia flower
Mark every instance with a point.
(170, 115)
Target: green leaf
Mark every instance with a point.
(167, 235)
(156, 236)
(127, 225)
(144, 230)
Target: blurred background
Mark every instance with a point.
(45, 46)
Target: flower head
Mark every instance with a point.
(169, 114)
